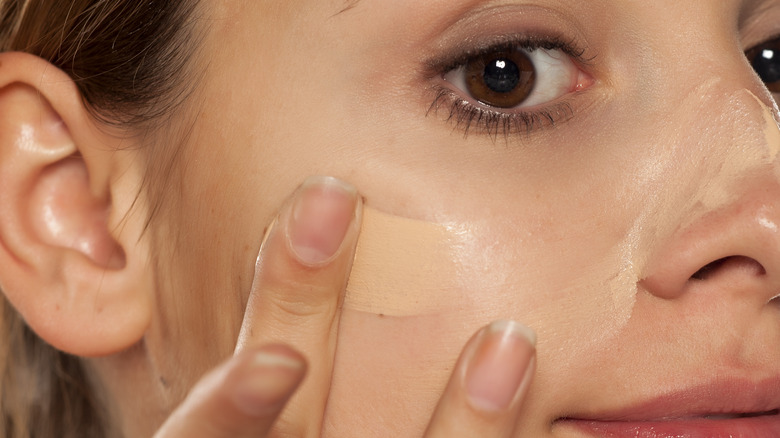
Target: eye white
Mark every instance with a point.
(556, 75)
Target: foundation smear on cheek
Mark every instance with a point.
(403, 266)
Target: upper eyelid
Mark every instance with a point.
(762, 42)
(758, 20)
(579, 52)
(467, 116)
(484, 24)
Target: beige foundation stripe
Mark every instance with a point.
(402, 266)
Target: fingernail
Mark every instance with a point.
(320, 218)
(266, 382)
(497, 368)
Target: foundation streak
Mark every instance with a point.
(403, 266)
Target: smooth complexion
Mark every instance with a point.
(412, 279)
(588, 231)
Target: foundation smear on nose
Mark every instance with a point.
(704, 168)
(732, 146)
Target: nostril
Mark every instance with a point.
(707, 270)
(735, 263)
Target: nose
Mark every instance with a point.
(733, 251)
(731, 244)
(727, 243)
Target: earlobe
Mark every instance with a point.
(73, 258)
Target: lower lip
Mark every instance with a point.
(765, 426)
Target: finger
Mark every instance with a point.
(300, 278)
(241, 398)
(486, 389)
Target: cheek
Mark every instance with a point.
(390, 371)
(419, 290)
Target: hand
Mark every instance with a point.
(293, 313)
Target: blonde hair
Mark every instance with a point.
(126, 58)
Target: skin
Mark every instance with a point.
(561, 200)
(590, 231)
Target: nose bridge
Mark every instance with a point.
(708, 143)
(732, 136)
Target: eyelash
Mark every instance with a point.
(467, 116)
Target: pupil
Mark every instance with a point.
(767, 65)
(502, 75)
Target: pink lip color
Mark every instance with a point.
(766, 426)
(730, 408)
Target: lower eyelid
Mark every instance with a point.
(475, 118)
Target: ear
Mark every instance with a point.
(74, 263)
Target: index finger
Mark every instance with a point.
(299, 284)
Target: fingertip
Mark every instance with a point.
(499, 367)
(296, 298)
(487, 390)
(305, 259)
(323, 212)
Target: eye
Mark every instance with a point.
(765, 60)
(514, 87)
(516, 77)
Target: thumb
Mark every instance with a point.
(240, 398)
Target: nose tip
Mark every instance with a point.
(733, 251)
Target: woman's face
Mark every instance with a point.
(626, 210)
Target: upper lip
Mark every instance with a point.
(722, 398)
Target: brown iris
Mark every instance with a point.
(501, 79)
(765, 59)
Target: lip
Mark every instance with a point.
(765, 426)
(724, 408)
